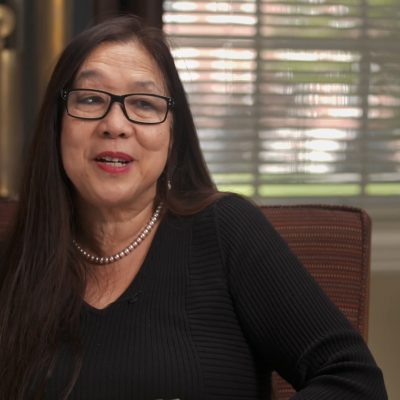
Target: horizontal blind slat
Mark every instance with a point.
(293, 91)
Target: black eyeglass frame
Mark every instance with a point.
(114, 98)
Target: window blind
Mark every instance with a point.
(294, 98)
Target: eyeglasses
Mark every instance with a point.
(141, 108)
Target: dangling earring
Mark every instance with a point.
(169, 185)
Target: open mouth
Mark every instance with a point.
(113, 161)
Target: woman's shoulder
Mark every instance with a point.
(234, 203)
(237, 210)
(235, 218)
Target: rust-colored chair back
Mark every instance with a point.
(334, 243)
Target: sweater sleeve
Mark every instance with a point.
(287, 319)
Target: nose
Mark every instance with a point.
(115, 124)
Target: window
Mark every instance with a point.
(294, 99)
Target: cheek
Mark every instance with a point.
(67, 144)
(71, 147)
(155, 141)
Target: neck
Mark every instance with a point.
(125, 251)
(106, 231)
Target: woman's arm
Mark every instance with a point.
(285, 315)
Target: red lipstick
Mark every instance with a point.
(113, 162)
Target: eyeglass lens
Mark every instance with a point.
(139, 107)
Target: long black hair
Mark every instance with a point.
(42, 281)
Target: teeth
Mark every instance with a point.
(116, 161)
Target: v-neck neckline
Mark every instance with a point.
(135, 287)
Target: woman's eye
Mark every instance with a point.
(144, 104)
(90, 100)
(140, 103)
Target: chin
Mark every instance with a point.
(100, 200)
(113, 201)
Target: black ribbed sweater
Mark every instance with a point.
(219, 302)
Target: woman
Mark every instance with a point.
(128, 276)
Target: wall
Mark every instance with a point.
(384, 328)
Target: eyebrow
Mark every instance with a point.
(137, 85)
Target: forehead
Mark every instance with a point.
(121, 65)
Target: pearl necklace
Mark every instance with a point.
(127, 250)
